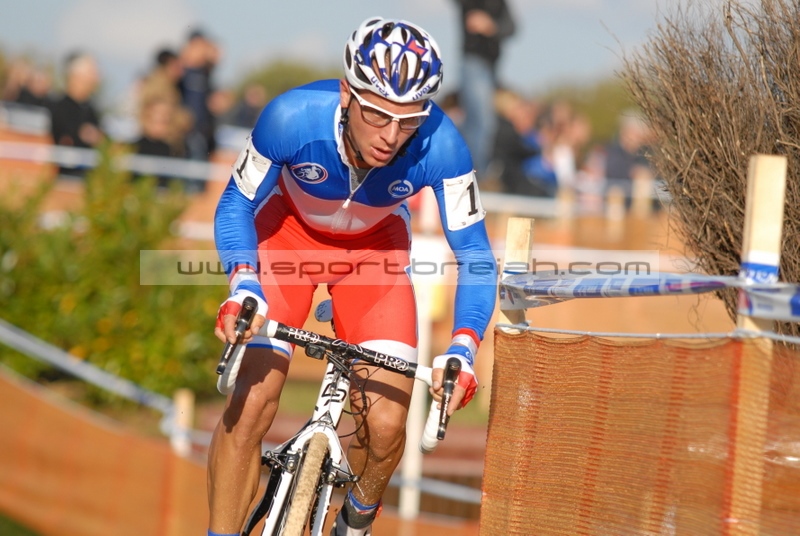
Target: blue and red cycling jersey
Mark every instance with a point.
(296, 150)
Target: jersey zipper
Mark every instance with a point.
(339, 216)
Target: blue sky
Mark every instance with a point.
(565, 40)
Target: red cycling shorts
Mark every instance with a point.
(367, 278)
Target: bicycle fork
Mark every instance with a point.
(285, 460)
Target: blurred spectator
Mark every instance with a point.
(19, 72)
(625, 157)
(159, 90)
(36, 92)
(511, 147)
(485, 25)
(199, 57)
(221, 103)
(74, 119)
(247, 109)
(568, 134)
(27, 84)
(451, 105)
(163, 80)
(591, 180)
(156, 123)
(621, 164)
(535, 126)
(157, 137)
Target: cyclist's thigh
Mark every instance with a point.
(375, 304)
(259, 382)
(283, 247)
(388, 397)
(375, 307)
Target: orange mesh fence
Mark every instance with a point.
(589, 436)
(66, 472)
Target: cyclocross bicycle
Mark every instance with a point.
(304, 470)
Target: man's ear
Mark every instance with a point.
(344, 93)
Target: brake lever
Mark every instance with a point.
(451, 371)
(243, 320)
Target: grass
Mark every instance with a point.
(11, 528)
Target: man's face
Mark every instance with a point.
(378, 145)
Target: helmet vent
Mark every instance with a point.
(348, 58)
(394, 59)
(403, 74)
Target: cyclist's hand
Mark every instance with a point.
(225, 329)
(466, 385)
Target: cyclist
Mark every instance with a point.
(318, 196)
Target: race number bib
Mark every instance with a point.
(462, 202)
(250, 169)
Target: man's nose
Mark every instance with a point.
(391, 132)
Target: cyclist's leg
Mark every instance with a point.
(376, 308)
(377, 447)
(234, 459)
(235, 454)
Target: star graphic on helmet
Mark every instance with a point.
(414, 47)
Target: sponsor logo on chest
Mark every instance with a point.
(310, 173)
(400, 189)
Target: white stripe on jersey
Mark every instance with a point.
(332, 216)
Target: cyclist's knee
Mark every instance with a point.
(384, 433)
(247, 428)
(250, 412)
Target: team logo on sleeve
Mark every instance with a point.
(309, 172)
(400, 189)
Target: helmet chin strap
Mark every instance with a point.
(345, 121)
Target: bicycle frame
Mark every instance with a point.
(286, 461)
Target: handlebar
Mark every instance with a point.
(436, 423)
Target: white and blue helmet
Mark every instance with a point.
(395, 59)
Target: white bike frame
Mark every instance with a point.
(327, 412)
(287, 458)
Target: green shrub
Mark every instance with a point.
(77, 286)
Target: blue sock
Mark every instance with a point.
(361, 508)
(218, 534)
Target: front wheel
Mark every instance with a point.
(307, 485)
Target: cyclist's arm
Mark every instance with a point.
(234, 224)
(254, 176)
(237, 245)
(462, 221)
(476, 288)
(462, 218)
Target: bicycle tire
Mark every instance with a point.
(307, 485)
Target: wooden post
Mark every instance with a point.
(183, 421)
(615, 214)
(761, 249)
(642, 189)
(519, 238)
(517, 256)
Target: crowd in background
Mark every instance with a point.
(540, 148)
(172, 110)
(520, 145)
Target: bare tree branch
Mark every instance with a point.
(718, 85)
